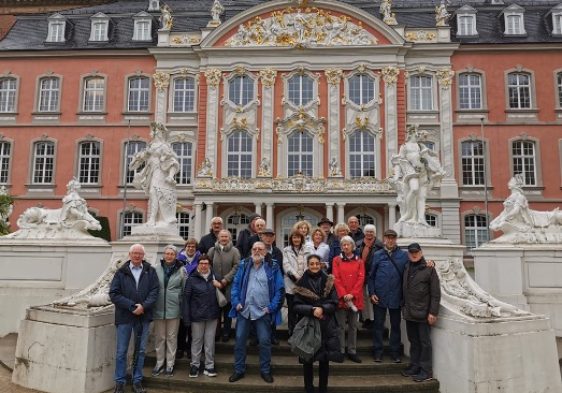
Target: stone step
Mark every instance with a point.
(180, 382)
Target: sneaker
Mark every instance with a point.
(396, 359)
(169, 371)
(210, 372)
(377, 358)
(354, 358)
(157, 370)
(193, 372)
(410, 371)
(422, 376)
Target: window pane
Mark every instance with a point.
(361, 89)
(300, 157)
(472, 162)
(7, 94)
(184, 153)
(475, 230)
(241, 90)
(524, 161)
(470, 91)
(5, 148)
(94, 94)
(139, 90)
(300, 89)
(183, 224)
(48, 94)
(362, 154)
(130, 219)
(184, 95)
(89, 163)
(43, 163)
(131, 149)
(519, 90)
(421, 93)
(239, 155)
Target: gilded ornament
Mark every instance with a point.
(161, 80)
(334, 76)
(445, 77)
(268, 77)
(420, 35)
(390, 75)
(213, 77)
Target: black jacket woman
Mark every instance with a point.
(315, 295)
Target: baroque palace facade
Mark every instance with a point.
(286, 108)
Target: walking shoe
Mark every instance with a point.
(210, 372)
(422, 376)
(354, 358)
(235, 377)
(157, 370)
(137, 388)
(119, 388)
(267, 377)
(169, 371)
(193, 372)
(377, 358)
(396, 359)
(410, 371)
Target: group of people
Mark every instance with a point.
(337, 277)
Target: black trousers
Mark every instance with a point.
(308, 372)
(292, 316)
(419, 335)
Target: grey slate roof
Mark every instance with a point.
(30, 31)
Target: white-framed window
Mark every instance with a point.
(300, 89)
(8, 88)
(89, 160)
(475, 230)
(300, 158)
(43, 162)
(138, 94)
(472, 163)
(525, 161)
(470, 91)
(184, 151)
(142, 30)
(5, 154)
(559, 89)
(361, 89)
(99, 28)
(361, 154)
(49, 94)
(130, 219)
(519, 90)
(421, 92)
(466, 25)
(94, 94)
(183, 219)
(514, 24)
(56, 29)
(131, 148)
(239, 154)
(184, 94)
(241, 90)
(557, 23)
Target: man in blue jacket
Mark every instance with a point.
(257, 296)
(385, 291)
(134, 291)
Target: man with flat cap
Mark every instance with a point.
(422, 294)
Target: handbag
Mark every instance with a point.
(306, 339)
(221, 299)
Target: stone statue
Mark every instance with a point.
(520, 224)
(265, 167)
(386, 11)
(96, 294)
(166, 18)
(441, 15)
(156, 178)
(416, 170)
(461, 293)
(216, 11)
(334, 168)
(6, 209)
(206, 169)
(71, 221)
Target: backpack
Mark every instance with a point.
(306, 339)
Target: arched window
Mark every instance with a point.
(185, 157)
(300, 89)
(475, 230)
(524, 161)
(470, 91)
(241, 90)
(43, 163)
(94, 94)
(89, 158)
(49, 94)
(183, 224)
(361, 154)
(129, 220)
(5, 154)
(300, 154)
(184, 94)
(239, 155)
(131, 148)
(8, 94)
(472, 162)
(519, 90)
(361, 89)
(138, 94)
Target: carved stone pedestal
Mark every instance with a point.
(415, 230)
(65, 350)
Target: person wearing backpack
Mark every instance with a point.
(315, 296)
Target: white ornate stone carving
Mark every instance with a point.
(333, 76)
(72, 221)
(461, 294)
(445, 77)
(95, 294)
(239, 117)
(267, 77)
(302, 120)
(206, 168)
(441, 15)
(416, 170)
(213, 76)
(301, 28)
(166, 18)
(334, 168)
(265, 167)
(5, 211)
(390, 75)
(386, 11)
(161, 80)
(522, 225)
(156, 167)
(216, 11)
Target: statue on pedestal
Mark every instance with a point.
(216, 11)
(441, 15)
(166, 18)
(6, 209)
(386, 11)
(520, 224)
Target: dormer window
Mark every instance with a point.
(154, 5)
(466, 22)
(514, 21)
(556, 14)
(142, 27)
(57, 27)
(99, 27)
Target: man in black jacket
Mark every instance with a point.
(422, 295)
(134, 291)
(208, 241)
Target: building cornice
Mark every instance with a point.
(75, 53)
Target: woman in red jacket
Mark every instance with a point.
(349, 274)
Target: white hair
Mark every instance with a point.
(348, 239)
(171, 247)
(370, 227)
(137, 245)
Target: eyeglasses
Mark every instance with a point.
(258, 249)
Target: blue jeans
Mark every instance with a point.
(124, 331)
(263, 329)
(378, 328)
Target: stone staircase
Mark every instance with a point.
(347, 377)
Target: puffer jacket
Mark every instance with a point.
(422, 292)
(225, 263)
(171, 288)
(294, 264)
(349, 274)
(317, 290)
(200, 299)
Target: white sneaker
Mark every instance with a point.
(210, 372)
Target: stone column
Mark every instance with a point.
(267, 77)
(198, 219)
(161, 82)
(391, 214)
(341, 212)
(390, 78)
(214, 77)
(334, 96)
(209, 214)
(269, 215)
(258, 208)
(330, 211)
